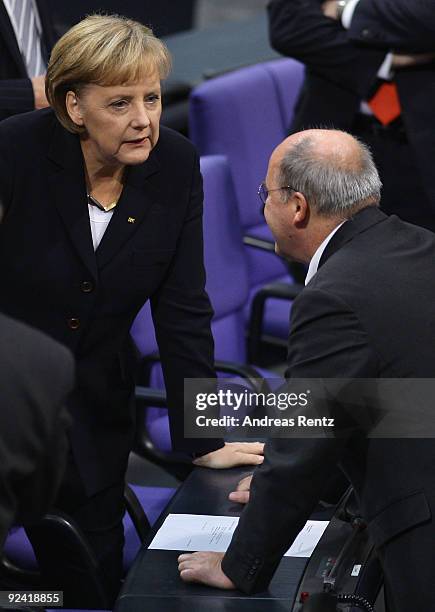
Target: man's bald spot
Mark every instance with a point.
(333, 147)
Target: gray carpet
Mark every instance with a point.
(209, 12)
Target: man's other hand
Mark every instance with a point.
(38, 84)
(205, 568)
(330, 9)
(241, 494)
(232, 455)
(416, 59)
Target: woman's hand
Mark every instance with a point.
(232, 455)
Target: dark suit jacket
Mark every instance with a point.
(339, 74)
(16, 92)
(342, 68)
(403, 25)
(367, 313)
(406, 26)
(87, 300)
(36, 374)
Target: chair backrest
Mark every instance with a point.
(227, 282)
(287, 75)
(227, 285)
(244, 115)
(142, 332)
(225, 263)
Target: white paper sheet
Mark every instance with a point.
(307, 539)
(202, 532)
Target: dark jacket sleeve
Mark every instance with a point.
(16, 96)
(7, 168)
(35, 380)
(326, 341)
(298, 29)
(403, 25)
(182, 315)
(16, 91)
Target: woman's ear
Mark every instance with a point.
(73, 108)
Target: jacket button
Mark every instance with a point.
(87, 286)
(73, 323)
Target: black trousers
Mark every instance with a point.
(100, 519)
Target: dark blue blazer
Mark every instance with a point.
(152, 249)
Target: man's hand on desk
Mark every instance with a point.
(205, 568)
(233, 454)
(241, 494)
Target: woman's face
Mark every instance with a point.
(121, 121)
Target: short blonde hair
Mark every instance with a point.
(103, 50)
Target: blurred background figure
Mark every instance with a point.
(26, 38)
(342, 86)
(36, 375)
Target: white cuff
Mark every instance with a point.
(346, 18)
(385, 71)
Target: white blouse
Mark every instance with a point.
(99, 221)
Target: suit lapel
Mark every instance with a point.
(68, 189)
(10, 40)
(135, 202)
(362, 221)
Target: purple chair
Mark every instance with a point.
(244, 115)
(155, 435)
(226, 266)
(151, 500)
(228, 288)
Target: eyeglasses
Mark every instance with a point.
(263, 191)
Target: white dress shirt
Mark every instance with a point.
(38, 67)
(314, 263)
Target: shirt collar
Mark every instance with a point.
(314, 263)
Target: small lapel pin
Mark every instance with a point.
(131, 220)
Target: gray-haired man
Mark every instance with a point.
(366, 312)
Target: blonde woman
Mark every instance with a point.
(103, 212)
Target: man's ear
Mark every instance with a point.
(73, 108)
(301, 208)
